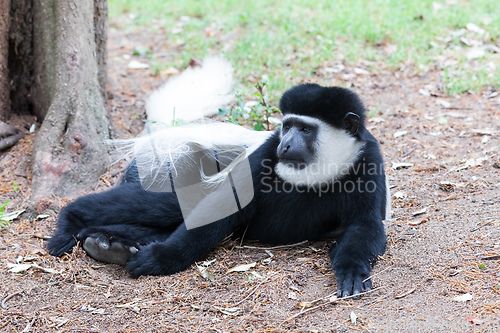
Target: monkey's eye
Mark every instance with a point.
(286, 127)
(306, 129)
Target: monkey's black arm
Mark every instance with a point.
(362, 241)
(354, 254)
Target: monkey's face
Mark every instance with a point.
(313, 152)
(297, 147)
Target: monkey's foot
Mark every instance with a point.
(100, 248)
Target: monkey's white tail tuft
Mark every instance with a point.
(194, 94)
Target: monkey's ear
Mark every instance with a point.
(351, 123)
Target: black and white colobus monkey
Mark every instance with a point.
(320, 175)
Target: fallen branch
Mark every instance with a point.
(6, 129)
(10, 141)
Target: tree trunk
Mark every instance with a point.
(20, 62)
(4, 53)
(68, 91)
(101, 40)
(8, 134)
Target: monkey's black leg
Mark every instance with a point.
(127, 210)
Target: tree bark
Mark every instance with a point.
(101, 41)
(69, 154)
(20, 62)
(4, 53)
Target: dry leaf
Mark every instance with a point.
(205, 273)
(472, 162)
(443, 103)
(400, 133)
(463, 298)
(242, 268)
(230, 311)
(415, 223)
(424, 92)
(474, 320)
(476, 52)
(134, 64)
(353, 317)
(12, 216)
(169, 71)
(399, 195)
(304, 305)
(46, 270)
(474, 28)
(419, 212)
(396, 166)
(16, 268)
(483, 131)
(376, 120)
(360, 71)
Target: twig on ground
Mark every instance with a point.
(30, 324)
(327, 303)
(273, 247)
(496, 257)
(405, 293)
(250, 293)
(368, 278)
(9, 297)
(376, 300)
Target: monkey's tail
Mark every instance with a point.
(177, 145)
(196, 93)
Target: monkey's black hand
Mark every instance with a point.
(68, 225)
(61, 244)
(157, 259)
(351, 280)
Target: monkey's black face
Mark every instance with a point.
(297, 146)
(313, 152)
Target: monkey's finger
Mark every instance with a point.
(367, 285)
(358, 286)
(344, 285)
(103, 242)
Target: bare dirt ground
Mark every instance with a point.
(443, 238)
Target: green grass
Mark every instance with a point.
(287, 40)
(3, 223)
